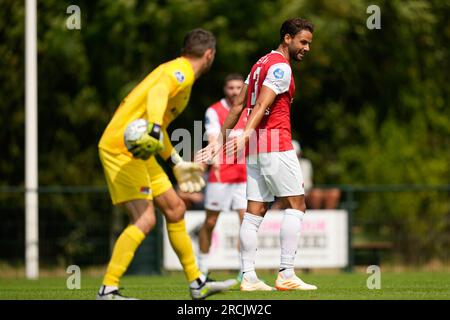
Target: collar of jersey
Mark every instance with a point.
(225, 103)
(274, 51)
(188, 67)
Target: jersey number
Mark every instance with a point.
(255, 89)
(255, 92)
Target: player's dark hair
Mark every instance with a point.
(294, 26)
(197, 41)
(233, 76)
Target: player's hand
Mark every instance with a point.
(205, 155)
(234, 146)
(189, 176)
(209, 154)
(149, 144)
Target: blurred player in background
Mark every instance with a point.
(136, 181)
(272, 166)
(225, 190)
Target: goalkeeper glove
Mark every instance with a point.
(149, 144)
(189, 175)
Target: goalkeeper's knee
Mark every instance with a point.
(175, 211)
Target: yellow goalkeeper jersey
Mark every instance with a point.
(159, 98)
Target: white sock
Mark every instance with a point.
(107, 289)
(250, 276)
(287, 273)
(248, 236)
(240, 265)
(289, 236)
(197, 283)
(202, 260)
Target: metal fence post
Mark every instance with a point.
(350, 205)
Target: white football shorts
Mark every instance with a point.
(225, 196)
(273, 174)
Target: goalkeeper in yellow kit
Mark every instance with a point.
(134, 177)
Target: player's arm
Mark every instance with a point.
(277, 81)
(234, 114)
(265, 99)
(189, 175)
(211, 152)
(212, 127)
(212, 141)
(157, 99)
(168, 147)
(156, 105)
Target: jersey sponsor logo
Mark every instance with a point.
(145, 190)
(278, 73)
(180, 76)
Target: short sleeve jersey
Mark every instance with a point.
(177, 75)
(273, 133)
(231, 170)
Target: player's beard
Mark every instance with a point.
(233, 98)
(294, 54)
(208, 65)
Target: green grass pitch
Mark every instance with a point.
(338, 286)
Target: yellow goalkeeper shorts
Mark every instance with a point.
(131, 179)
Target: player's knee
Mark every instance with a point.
(302, 204)
(175, 212)
(260, 211)
(146, 222)
(297, 203)
(210, 222)
(302, 207)
(315, 193)
(257, 208)
(334, 194)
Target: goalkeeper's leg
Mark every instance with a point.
(142, 217)
(173, 208)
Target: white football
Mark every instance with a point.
(134, 131)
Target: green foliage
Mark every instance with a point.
(12, 91)
(371, 105)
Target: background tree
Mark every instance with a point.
(371, 106)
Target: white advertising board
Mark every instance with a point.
(323, 241)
